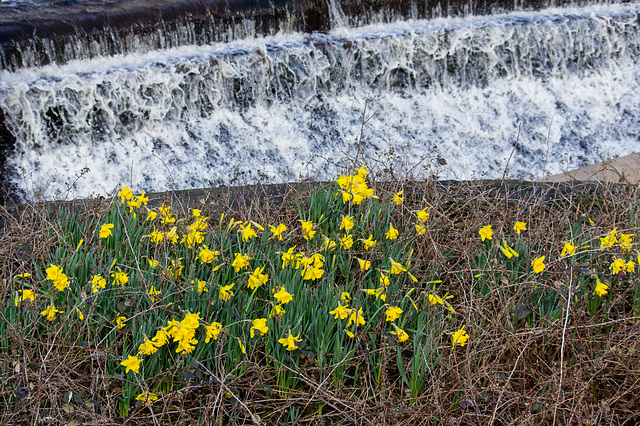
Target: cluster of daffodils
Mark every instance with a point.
(613, 239)
(354, 188)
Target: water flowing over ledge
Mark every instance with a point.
(278, 107)
(40, 32)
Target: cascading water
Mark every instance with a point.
(278, 107)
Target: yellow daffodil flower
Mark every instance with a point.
(207, 256)
(601, 289)
(400, 334)
(119, 278)
(153, 292)
(392, 233)
(329, 244)
(346, 242)
(569, 249)
(120, 322)
(247, 232)
(105, 230)
(200, 286)
(486, 232)
(609, 240)
(125, 193)
(259, 325)
(398, 198)
(626, 242)
(225, 292)
(508, 251)
(147, 398)
(98, 282)
(420, 229)
(364, 264)
(341, 312)
(132, 363)
(257, 278)
(369, 242)
(276, 311)
(519, 227)
(307, 230)
(25, 295)
(434, 299)
(282, 296)
(384, 280)
(423, 215)
(147, 348)
(50, 312)
(538, 264)
(240, 262)
(347, 223)
(213, 331)
(277, 231)
(357, 318)
(393, 313)
(617, 266)
(459, 337)
(290, 341)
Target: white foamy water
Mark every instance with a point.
(279, 108)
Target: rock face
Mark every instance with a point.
(39, 33)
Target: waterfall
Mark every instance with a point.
(285, 106)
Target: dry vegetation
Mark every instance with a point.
(542, 348)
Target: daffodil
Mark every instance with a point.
(400, 334)
(486, 232)
(459, 337)
(508, 251)
(290, 341)
(420, 229)
(398, 198)
(423, 215)
(569, 249)
(213, 331)
(384, 280)
(538, 264)
(329, 244)
(259, 325)
(277, 231)
(617, 266)
(307, 230)
(160, 339)
(364, 264)
(396, 268)
(435, 300)
(345, 297)
(393, 313)
(276, 311)
(626, 242)
(207, 256)
(55, 274)
(125, 193)
(631, 267)
(153, 292)
(50, 312)
(151, 216)
(601, 289)
(147, 348)
(346, 242)
(147, 398)
(240, 262)
(519, 227)
(341, 312)
(347, 223)
(357, 318)
(392, 233)
(247, 232)
(119, 278)
(369, 242)
(105, 230)
(225, 292)
(132, 363)
(121, 322)
(25, 295)
(200, 286)
(609, 240)
(80, 315)
(257, 278)
(377, 292)
(282, 296)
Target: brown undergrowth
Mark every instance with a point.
(542, 349)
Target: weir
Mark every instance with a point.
(280, 103)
